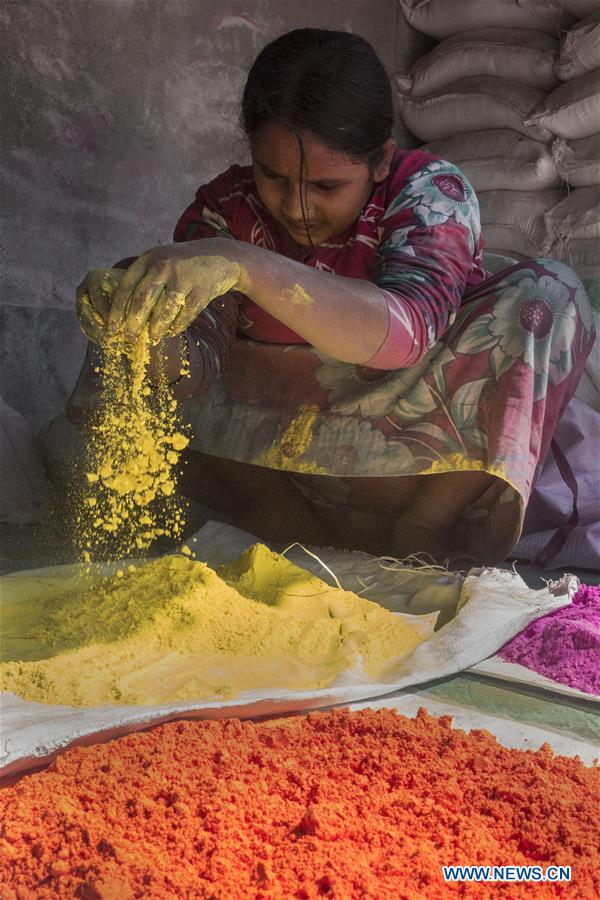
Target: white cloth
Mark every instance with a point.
(485, 609)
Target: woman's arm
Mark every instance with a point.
(170, 285)
(347, 318)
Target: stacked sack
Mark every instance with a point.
(490, 98)
(572, 113)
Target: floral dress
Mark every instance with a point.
(480, 386)
(473, 375)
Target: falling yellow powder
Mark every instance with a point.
(175, 630)
(134, 447)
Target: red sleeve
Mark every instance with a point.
(430, 250)
(218, 208)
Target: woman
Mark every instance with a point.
(357, 379)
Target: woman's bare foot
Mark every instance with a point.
(430, 523)
(429, 544)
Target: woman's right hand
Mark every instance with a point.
(94, 299)
(94, 303)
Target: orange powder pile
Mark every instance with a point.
(344, 804)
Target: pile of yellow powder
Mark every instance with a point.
(134, 445)
(175, 630)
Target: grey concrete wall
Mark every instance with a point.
(114, 111)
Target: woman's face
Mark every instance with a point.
(334, 188)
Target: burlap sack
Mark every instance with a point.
(576, 216)
(515, 221)
(571, 110)
(578, 162)
(473, 104)
(583, 255)
(522, 55)
(580, 49)
(580, 8)
(501, 159)
(440, 18)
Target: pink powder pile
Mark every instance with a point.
(565, 645)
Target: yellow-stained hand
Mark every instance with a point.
(168, 286)
(94, 299)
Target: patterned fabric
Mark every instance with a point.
(485, 397)
(495, 359)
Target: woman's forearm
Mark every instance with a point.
(344, 317)
(169, 287)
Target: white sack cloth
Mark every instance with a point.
(492, 607)
(580, 49)
(572, 110)
(499, 160)
(514, 220)
(520, 54)
(583, 255)
(440, 18)
(578, 161)
(473, 104)
(576, 216)
(580, 8)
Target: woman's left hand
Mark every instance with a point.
(168, 286)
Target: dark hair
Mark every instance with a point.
(329, 82)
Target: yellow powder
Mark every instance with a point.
(378, 636)
(287, 451)
(173, 629)
(300, 297)
(134, 446)
(456, 462)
